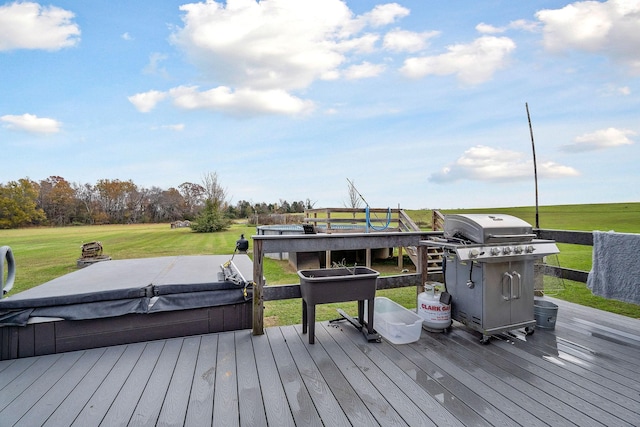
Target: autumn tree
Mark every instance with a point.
(193, 196)
(114, 197)
(88, 207)
(57, 199)
(164, 205)
(18, 204)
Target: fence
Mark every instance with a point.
(353, 241)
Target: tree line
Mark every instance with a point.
(57, 202)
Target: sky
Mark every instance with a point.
(421, 104)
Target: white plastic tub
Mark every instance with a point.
(395, 323)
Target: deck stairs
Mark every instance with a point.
(434, 255)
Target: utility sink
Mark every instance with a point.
(321, 286)
(338, 284)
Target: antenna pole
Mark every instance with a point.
(535, 167)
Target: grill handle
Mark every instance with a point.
(509, 282)
(519, 287)
(512, 236)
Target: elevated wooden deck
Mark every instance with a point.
(585, 372)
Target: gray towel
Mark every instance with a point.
(615, 273)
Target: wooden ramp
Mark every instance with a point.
(586, 372)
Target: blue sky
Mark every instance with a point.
(420, 103)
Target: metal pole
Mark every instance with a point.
(535, 167)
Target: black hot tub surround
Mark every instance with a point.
(124, 301)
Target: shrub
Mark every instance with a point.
(210, 220)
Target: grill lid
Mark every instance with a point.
(487, 228)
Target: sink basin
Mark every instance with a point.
(342, 284)
(321, 286)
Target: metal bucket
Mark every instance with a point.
(545, 313)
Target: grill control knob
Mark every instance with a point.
(506, 250)
(495, 251)
(518, 249)
(529, 249)
(473, 253)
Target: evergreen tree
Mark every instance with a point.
(210, 219)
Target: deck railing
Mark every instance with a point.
(354, 241)
(344, 220)
(570, 237)
(330, 242)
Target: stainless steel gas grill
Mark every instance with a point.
(488, 270)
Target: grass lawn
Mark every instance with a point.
(43, 254)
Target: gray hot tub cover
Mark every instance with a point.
(116, 288)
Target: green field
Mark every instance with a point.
(42, 254)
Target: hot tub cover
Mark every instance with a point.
(142, 285)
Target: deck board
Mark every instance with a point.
(174, 407)
(273, 393)
(323, 399)
(42, 409)
(200, 409)
(349, 385)
(585, 372)
(548, 389)
(299, 399)
(99, 403)
(123, 406)
(535, 389)
(385, 400)
(249, 395)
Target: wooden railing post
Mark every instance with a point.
(258, 280)
(423, 268)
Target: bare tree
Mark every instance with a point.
(355, 201)
(86, 197)
(193, 195)
(213, 190)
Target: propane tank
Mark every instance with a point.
(436, 316)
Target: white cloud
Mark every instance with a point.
(364, 70)
(179, 127)
(241, 101)
(32, 26)
(385, 14)
(257, 54)
(126, 36)
(31, 123)
(398, 40)
(615, 90)
(153, 67)
(222, 98)
(600, 140)
(610, 28)
(482, 163)
(519, 24)
(147, 101)
(272, 44)
(489, 29)
(472, 63)
(624, 90)
(524, 25)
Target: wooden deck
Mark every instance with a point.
(585, 372)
